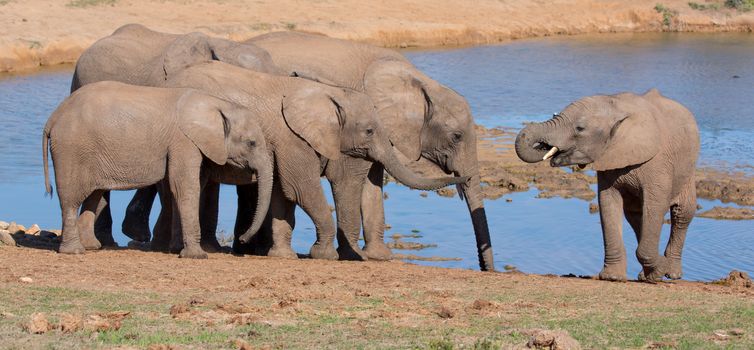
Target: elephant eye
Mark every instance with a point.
(370, 131)
(580, 128)
(252, 144)
(457, 136)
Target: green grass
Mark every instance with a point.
(667, 14)
(89, 3)
(740, 5)
(358, 324)
(704, 7)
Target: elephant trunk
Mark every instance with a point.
(472, 191)
(530, 144)
(264, 183)
(407, 177)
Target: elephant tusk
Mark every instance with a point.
(550, 153)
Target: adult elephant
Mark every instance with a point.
(422, 118)
(644, 149)
(137, 55)
(312, 129)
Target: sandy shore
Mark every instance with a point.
(37, 33)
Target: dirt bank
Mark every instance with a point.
(47, 32)
(133, 299)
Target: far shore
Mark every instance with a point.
(37, 33)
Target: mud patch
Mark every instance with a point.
(547, 339)
(728, 213)
(736, 279)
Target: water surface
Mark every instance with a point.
(505, 85)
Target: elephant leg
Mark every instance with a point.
(681, 215)
(162, 228)
(103, 222)
(87, 217)
(313, 202)
(654, 265)
(71, 240)
(283, 220)
(136, 222)
(611, 218)
(373, 215)
(208, 212)
(186, 185)
(347, 178)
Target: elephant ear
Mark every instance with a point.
(247, 56)
(634, 139)
(202, 121)
(315, 117)
(185, 51)
(402, 103)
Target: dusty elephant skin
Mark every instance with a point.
(136, 55)
(644, 149)
(312, 129)
(423, 119)
(114, 136)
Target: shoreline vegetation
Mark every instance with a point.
(38, 33)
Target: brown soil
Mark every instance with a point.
(47, 32)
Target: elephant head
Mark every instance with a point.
(193, 48)
(337, 121)
(229, 136)
(609, 132)
(409, 104)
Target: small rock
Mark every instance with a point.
(737, 332)
(594, 208)
(385, 196)
(388, 226)
(445, 313)
(509, 268)
(6, 238)
(13, 228)
(508, 200)
(720, 335)
(33, 230)
(446, 192)
(4, 225)
(404, 45)
(38, 324)
(547, 339)
(26, 279)
(423, 194)
(5, 314)
(241, 344)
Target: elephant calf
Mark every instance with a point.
(644, 149)
(113, 136)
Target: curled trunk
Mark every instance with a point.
(407, 177)
(526, 143)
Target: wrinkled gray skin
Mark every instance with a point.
(181, 137)
(644, 149)
(421, 117)
(136, 55)
(312, 129)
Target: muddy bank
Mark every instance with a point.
(46, 32)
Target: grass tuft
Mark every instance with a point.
(89, 3)
(740, 5)
(667, 14)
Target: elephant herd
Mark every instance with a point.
(178, 115)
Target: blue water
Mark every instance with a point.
(505, 85)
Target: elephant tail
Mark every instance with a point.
(45, 149)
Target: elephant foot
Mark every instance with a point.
(675, 271)
(136, 231)
(324, 252)
(157, 246)
(71, 248)
(211, 246)
(348, 252)
(654, 273)
(176, 246)
(615, 273)
(193, 253)
(282, 252)
(378, 251)
(90, 242)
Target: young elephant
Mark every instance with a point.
(113, 136)
(644, 149)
